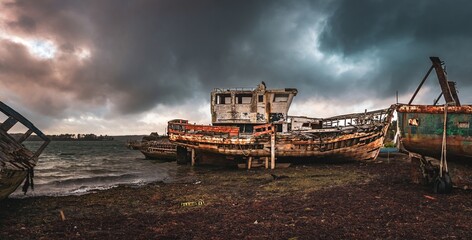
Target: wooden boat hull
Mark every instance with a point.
(159, 155)
(158, 149)
(330, 141)
(357, 146)
(421, 129)
(10, 180)
(16, 161)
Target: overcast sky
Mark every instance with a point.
(127, 67)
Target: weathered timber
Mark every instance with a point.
(156, 147)
(446, 90)
(356, 136)
(16, 161)
(421, 84)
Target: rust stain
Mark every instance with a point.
(434, 109)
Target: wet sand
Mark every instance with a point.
(318, 201)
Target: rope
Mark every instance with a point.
(29, 183)
(239, 144)
(443, 164)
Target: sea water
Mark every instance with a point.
(78, 167)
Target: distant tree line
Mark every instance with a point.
(68, 137)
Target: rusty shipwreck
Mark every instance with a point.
(438, 131)
(16, 161)
(155, 147)
(251, 127)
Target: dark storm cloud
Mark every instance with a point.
(400, 36)
(148, 53)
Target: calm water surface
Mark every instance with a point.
(77, 167)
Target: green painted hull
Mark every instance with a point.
(421, 129)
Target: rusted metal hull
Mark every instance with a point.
(16, 161)
(421, 128)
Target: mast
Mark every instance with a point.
(448, 88)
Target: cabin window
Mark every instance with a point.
(246, 128)
(223, 99)
(278, 127)
(463, 125)
(281, 97)
(260, 98)
(243, 98)
(413, 122)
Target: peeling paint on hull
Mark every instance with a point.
(425, 135)
(253, 124)
(361, 143)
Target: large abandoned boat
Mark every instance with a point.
(422, 125)
(251, 126)
(437, 131)
(16, 161)
(155, 147)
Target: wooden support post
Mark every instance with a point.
(249, 163)
(272, 151)
(421, 84)
(445, 88)
(193, 157)
(266, 159)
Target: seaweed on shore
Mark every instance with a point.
(329, 201)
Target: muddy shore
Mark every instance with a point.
(317, 201)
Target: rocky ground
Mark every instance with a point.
(317, 201)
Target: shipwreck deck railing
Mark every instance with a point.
(357, 119)
(263, 129)
(227, 90)
(181, 128)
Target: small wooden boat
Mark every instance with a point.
(16, 161)
(155, 147)
(133, 144)
(252, 126)
(160, 149)
(439, 131)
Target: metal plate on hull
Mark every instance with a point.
(421, 129)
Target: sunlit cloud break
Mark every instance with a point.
(40, 48)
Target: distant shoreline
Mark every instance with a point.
(88, 137)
